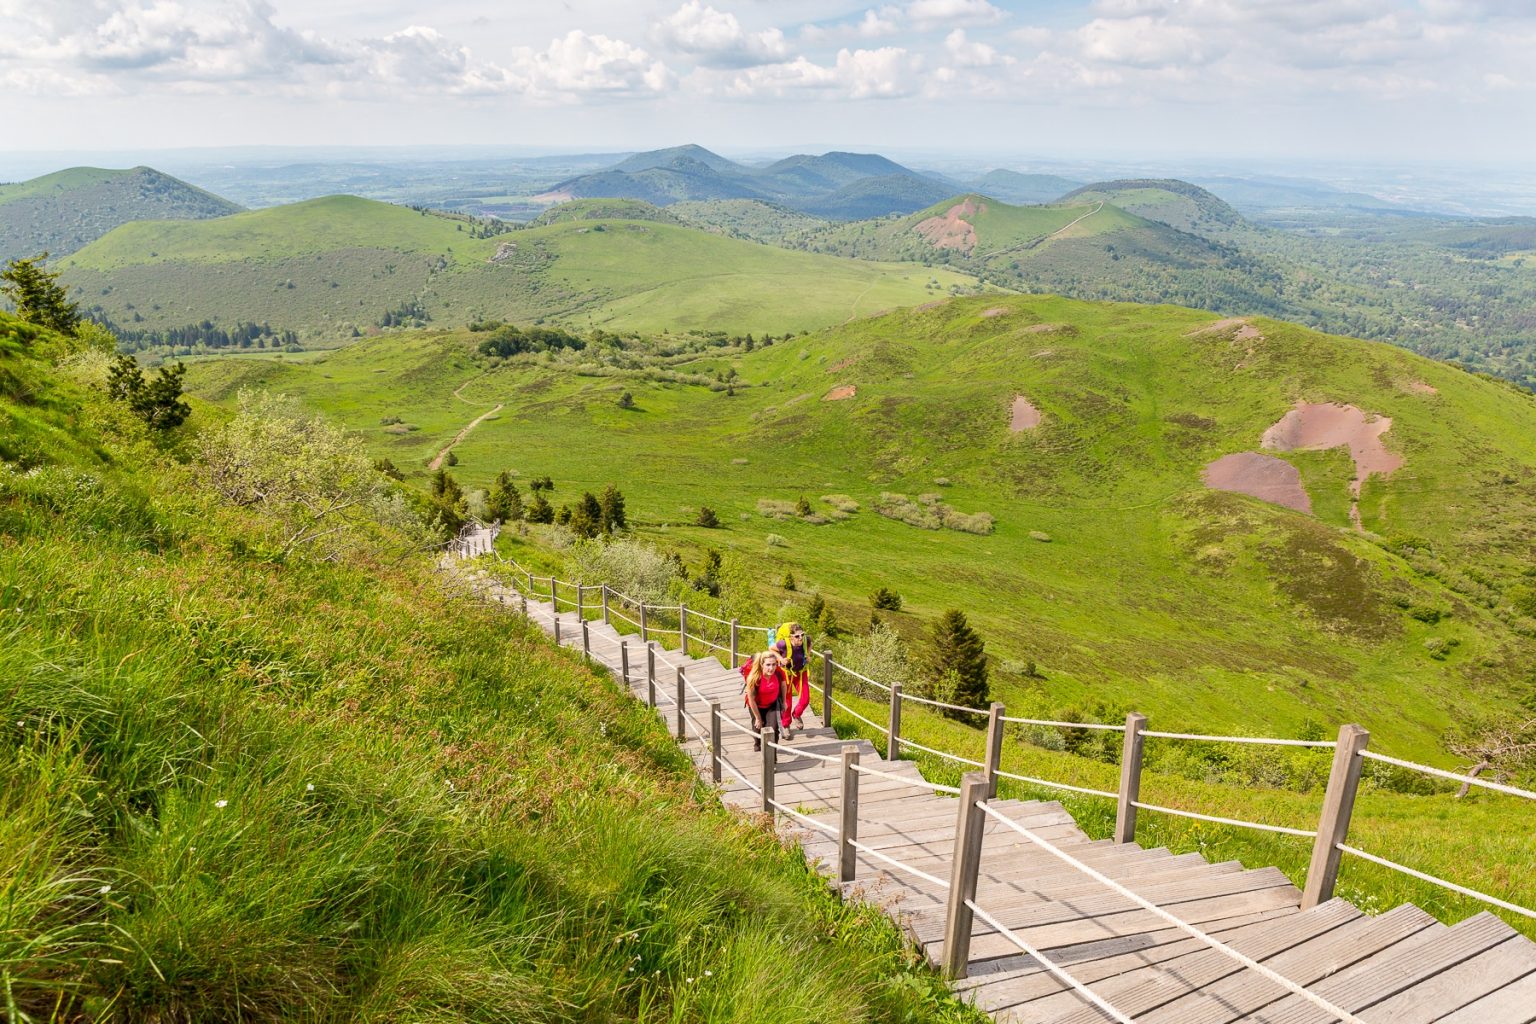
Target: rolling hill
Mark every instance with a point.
(64, 211)
(838, 186)
(333, 268)
(1169, 201)
(1023, 189)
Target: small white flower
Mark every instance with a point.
(310, 788)
(709, 974)
(104, 889)
(221, 803)
(690, 981)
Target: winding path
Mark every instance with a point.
(437, 461)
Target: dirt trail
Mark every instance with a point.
(458, 392)
(1042, 239)
(437, 462)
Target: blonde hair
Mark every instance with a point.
(755, 673)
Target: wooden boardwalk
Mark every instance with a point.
(1402, 967)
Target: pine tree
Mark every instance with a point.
(953, 646)
(38, 296)
(505, 503)
(539, 509)
(586, 519)
(707, 518)
(612, 515)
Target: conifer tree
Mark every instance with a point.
(38, 296)
(612, 517)
(953, 646)
(505, 503)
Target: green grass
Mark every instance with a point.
(247, 789)
(330, 266)
(1204, 610)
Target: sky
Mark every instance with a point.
(1435, 80)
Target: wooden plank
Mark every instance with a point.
(1461, 985)
(1515, 1003)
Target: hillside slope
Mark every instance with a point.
(1112, 566)
(64, 211)
(333, 268)
(242, 785)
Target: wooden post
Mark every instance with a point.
(554, 595)
(714, 741)
(826, 688)
(1130, 778)
(682, 696)
(605, 604)
(524, 598)
(893, 741)
(650, 676)
(624, 664)
(682, 628)
(586, 640)
(1333, 826)
(962, 875)
(557, 629)
(735, 625)
(765, 736)
(645, 636)
(848, 820)
(530, 583)
(994, 756)
(580, 612)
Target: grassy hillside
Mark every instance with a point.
(247, 787)
(1167, 201)
(330, 268)
(1205, 609)
(64, 211)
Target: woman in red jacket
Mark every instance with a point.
(764, 693)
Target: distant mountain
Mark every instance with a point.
(64, 211)
(834, 185)
(1168, 201)
(1023, 189)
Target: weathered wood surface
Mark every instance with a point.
(1399, 968)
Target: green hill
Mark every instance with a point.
(1204, 608)
(64, 211)
(1168, 201)
(332, 268)
(247, 785)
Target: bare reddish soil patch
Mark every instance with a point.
(1316, 427)
(1259, 476)
(952, 230)
(839, 393)
(1418, 387)
(994, 311)
(1025, 415)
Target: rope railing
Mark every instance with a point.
(936, 787)
(860, 676)
(870, 851)
(1059, 785)
(1179, 923)
(1237, 822)
(1424, 876)
(1266, 740)
(860, 717)
(940, 753)
(1107, 727)
(940, 704)
(1471, 780)
(821, 825)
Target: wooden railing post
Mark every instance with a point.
(645, 636)
(586, 640)
(994, 755)
(557, 629)
(682, 697)
(1333, 826)
(735, 625)
(580, 611)
(524, 598)
(605, 603)
(765, 737)
(714, 741)
(682, 627)
(826, 688)
(624, 664)
(530, 583)
(893, 741)
(1130, 778)
(650, 676)
(962, 875)
(848, 819)
(554, 594)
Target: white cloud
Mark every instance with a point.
(716, 39)
(927, 14)
(883, 73)
(1141, 41)
(965, 53)
(882, 22)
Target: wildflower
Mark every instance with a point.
(310, 788)
(104, 890)
(221, 803)
(709, 974)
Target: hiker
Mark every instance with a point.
(764, 693)
(789, 641)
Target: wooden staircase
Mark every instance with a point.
(1402, 967)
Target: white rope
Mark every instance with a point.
(708, 643)
(797, 752)
(1498, 787)
(1065, 725)
(620, 615)
(941, 704)
(919, 783)
(860, 717)
(1050, 967)
(858, 675)
(705, 615)
(1227, 821)
(828, 829)
(1059, 785)
(1268, 740)
(1179, 923)
(939, 753)
(925, 876)
(728, 720)
(1423, 877)
(744, 780)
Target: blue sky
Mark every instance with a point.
(1442, 80)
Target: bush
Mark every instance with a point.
(789, 581)
(707, 518)
(954, 647)
(775, 541)
(841, 502)
(885, 600)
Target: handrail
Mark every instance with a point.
(940, 704)
(1050, 966)
(1064, 725)
(1469, 779)
(919, 783)
(1426, 877)
(869, 851)
(1179, 923)
(860, 717)
(1307, 833)
(823, 826)
(692, 612)
(1057, 785)
(941, 753)
(858, 675)
(1268, 740)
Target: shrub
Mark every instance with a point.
(803, 507)
(880, 654)
(157, 402)
(775, 509)
(789, 581)
(885, 600)
(707, 518)
(775, 541)
(953, 646)
(626, 401)
(841, 502)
